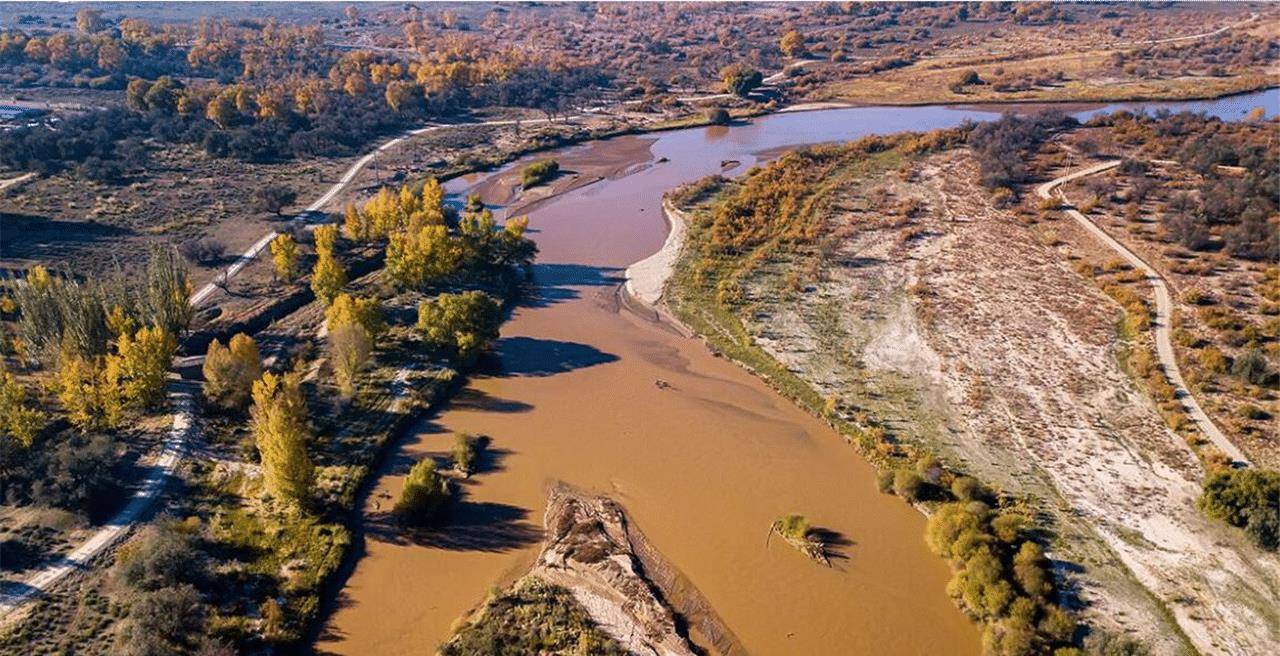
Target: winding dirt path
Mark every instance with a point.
(10, 182)
(1163, 323)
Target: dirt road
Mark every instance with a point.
(1163, 323)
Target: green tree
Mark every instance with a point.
(425, 492)
(1029, 571)
(163, 94)
(1248, 499)
(539, 172)
(953, 531)
(282, 428)
(230, 371)
(740, 79)
(465, 324)
(466, 449)
(166, 300)
(908, 484)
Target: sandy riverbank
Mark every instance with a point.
(647, 278)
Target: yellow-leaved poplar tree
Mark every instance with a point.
(329, 276)
(363, 311)
(353, 324)
(417, 258)
(326, 237)
(355, 224)
(90, 400)
(140, 366)
(284, 255)
(20, 420)
(230, 371)
(281, 429)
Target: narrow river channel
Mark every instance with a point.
(703, 467)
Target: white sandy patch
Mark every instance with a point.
(647, 278)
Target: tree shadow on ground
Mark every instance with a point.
(530, 356)
(556, 283)
(28, 236)
(465, 526)
(835, 544)
(471, 398)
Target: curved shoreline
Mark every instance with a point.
(647, 279)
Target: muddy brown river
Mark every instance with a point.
(703, 467)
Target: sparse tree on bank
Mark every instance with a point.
(792, 44)
(740, 79)
(424, 493)
(353, 325)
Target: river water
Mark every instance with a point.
(703, 467)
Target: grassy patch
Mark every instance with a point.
(533, 618)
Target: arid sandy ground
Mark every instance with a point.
(961, 329)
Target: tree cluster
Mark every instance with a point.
(1238, 203)
(157, 580)
(1000, 577)
(424, 494)
(1248, 499)
(423, 249)
(1002, 146)
(463, 325)
(108, 362)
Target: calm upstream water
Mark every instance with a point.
(703, 467)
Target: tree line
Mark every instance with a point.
(107, 347)
(263, 92)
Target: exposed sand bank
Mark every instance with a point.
(647, 278)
